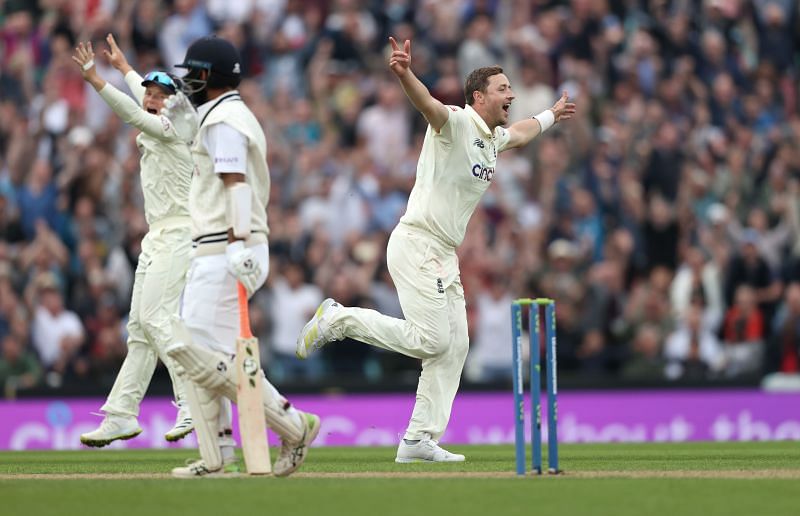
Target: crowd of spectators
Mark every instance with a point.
(664, 219)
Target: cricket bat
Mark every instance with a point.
(249, 397)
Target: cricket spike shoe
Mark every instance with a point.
(293, 455)
(111, 429)
(424, 450)
(183, 425)
(198, 469)
(317, 332)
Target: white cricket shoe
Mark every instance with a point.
(426, 450)
(293, 455)
(198, 469)
(317, 332)
(183, 425)
(111, 429)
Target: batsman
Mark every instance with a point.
(455, 168)
(227, 204)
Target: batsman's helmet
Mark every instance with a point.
(218, 57)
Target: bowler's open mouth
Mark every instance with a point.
(152, 111)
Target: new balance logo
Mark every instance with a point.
(439, 286)
(479, 143)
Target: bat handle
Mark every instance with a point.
(244, 313)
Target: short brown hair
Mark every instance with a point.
(478, 80)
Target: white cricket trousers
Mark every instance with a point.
(425, 273)
(210, 308)
(157, 286)
(210, 311)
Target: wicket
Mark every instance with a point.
(534, 308)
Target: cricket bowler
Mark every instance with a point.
(456, 166)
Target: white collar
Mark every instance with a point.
(478, 119)
(205, 107)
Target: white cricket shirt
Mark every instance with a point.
(207, 197)
(455, 168)
(166, 164)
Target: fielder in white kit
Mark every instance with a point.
(455, 168)
(166, 173)
(227, 202)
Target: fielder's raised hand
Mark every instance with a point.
(84, 58)
(115, 56)
(180, 111)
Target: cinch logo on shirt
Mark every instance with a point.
(481, 172)
(226, 160)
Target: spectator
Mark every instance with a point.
(646, 362)
(293, 302)
(743, 334)
(559, 276)
(187, 23)
(693, 351)
(785, 346)
(751, 269)
(10, 228)
(698, 281)
(37, 199)
(385, 127)
(662, 174)
(106, 338)
(57, 333)
(478, 49)
(769, 242)
(19, 369)
(490, 354)
(602, 317)
(661, 232)
(533, 93)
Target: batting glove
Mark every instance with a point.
(242, 263)
(179, 110)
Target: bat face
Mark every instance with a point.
(250, 405)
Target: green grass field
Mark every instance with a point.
(617, 479)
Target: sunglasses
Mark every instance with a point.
(162, 79)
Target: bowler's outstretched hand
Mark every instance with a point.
(400, 60)
(563, 109)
